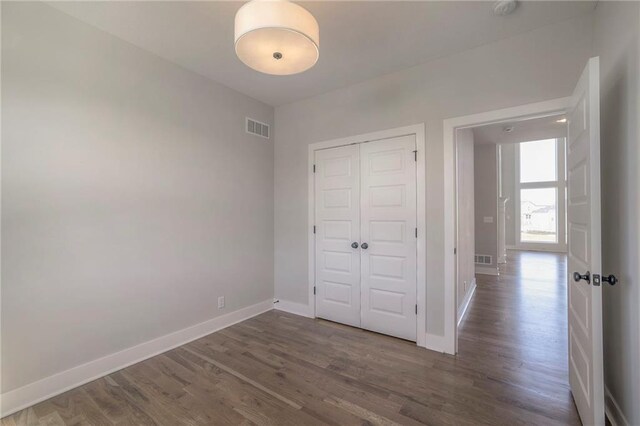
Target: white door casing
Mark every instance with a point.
(584, 249)
(337, 211)
(449, 342)
(388, 228)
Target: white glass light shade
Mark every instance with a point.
(276, 37)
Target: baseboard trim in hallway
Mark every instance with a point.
(33, 393)
(487, 270)
(612, 410)
(465, 303)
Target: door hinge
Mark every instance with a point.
(416, 232)
(415, 156)
(314, 290)
(455, 251)
(416, 309)
(314, 229)
(314, 168)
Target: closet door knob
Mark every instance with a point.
(354, 245)
(364, 246)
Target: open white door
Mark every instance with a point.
(585, 291)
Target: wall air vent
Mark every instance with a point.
(482, 259)
(257, 128)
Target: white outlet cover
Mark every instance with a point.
(488, 219)
(220, 302)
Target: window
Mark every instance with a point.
(539, 213)
(541, 192)
(538, 161)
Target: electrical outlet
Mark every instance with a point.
(220, 302)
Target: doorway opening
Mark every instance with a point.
(511, 282)
(583, 223)
(511, 194)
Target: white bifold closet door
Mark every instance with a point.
(388, 227)
(365, 198)
(337, 203)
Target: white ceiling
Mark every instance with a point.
(359, 40)
(523, 131)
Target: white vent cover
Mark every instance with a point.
(257, 128)
(483, 259)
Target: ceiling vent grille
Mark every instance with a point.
(257, 128)
(483, 259)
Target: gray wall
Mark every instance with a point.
(131, 196)
(497, 75)
(466, 215)
(617, 43)
(486, 201)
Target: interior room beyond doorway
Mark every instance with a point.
(511, 196)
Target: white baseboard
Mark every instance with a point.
(28, 395)
(487, 270)
(612, 410)
(532, 247)
(294, 308)
(466, 301)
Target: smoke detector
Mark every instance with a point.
(504, 7)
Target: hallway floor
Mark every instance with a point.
(279, 368)
(516, 326)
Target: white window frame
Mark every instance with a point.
(561, 186)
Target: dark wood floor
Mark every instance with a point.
(282, 369)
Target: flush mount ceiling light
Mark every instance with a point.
(276, 37)
(562, 120)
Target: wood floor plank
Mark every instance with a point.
(282, 369)
(52, 419)
(244, 378)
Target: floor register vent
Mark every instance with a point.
(483, 259)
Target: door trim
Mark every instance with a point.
(449, 126)
(419, 131)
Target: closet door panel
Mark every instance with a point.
(337, 218)
(388, 226)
